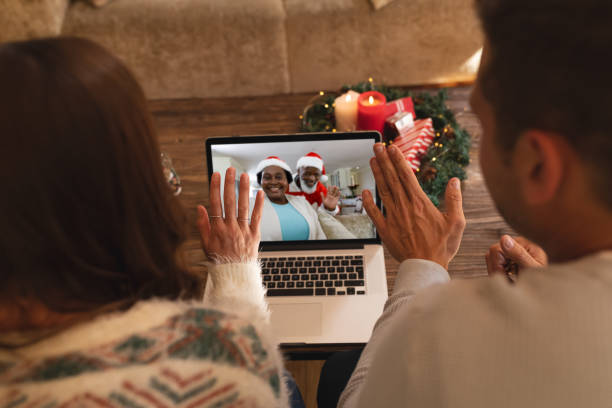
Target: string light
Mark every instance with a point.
(334, 130)
(301, 116)
(370, 80)
(434, 159)
(321, 93)
(326, 106)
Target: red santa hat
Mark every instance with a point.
(313, 160)
(272, 161)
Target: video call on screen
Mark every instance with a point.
(347, 168)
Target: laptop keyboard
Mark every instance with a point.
(314, 275)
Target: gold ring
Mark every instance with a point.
(215, 216)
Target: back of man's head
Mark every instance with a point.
(549, 67)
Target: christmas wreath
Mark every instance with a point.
(444, 158)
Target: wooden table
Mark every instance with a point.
(184, 125)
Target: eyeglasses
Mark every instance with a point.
(171, 177)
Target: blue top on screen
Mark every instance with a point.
(293, 224)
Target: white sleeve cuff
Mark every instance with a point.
(417, 274)
(333, 212)
(232, 283)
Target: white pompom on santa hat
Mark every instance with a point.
(272, 161)
(313, 160)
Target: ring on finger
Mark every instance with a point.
(243, 219)
(214, 216)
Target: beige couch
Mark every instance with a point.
(208, 48)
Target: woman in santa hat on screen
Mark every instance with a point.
(284, 217)
(309, 183)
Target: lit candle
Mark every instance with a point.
(371, 111)
(345, 111)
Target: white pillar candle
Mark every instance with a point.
(345, 110)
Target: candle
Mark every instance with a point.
(345, 111)
(371, 111)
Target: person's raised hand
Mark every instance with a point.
(413, 227)
(331, 200)
(510, 255)
(229, 238)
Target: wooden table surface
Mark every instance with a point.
(184, 125)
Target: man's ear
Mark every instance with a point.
(541, 160)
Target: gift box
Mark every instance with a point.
(414, 142)
(400, 105)
(396, 125)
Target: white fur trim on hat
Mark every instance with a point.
(310, 161)
(272, 161)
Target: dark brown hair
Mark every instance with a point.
(549, 67)
(86, 217)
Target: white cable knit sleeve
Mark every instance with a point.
(413, 276)
(236, 286)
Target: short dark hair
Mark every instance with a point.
(88, 219)
(287, 173)
(549, 67)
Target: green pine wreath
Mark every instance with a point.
(447, 156)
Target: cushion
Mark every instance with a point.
(98, 3)
(379, 3)
(24, 20)
(332, 228)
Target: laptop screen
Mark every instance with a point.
(312, 184)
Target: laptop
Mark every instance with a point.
(329, 288)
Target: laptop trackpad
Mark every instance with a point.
(296, 320)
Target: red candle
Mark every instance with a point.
(371, 111)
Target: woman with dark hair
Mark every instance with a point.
(285, 217)
(96, 305)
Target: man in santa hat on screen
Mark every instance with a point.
(309, 183)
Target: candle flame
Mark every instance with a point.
(371, 100)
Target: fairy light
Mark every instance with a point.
(321, 93)
(370, 80)
(434, 159)
(301, 116)
(326, 106)
(334, 130)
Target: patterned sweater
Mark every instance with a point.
(217, 353)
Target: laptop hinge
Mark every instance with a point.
(311, 246)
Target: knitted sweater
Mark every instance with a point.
(159, 353)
